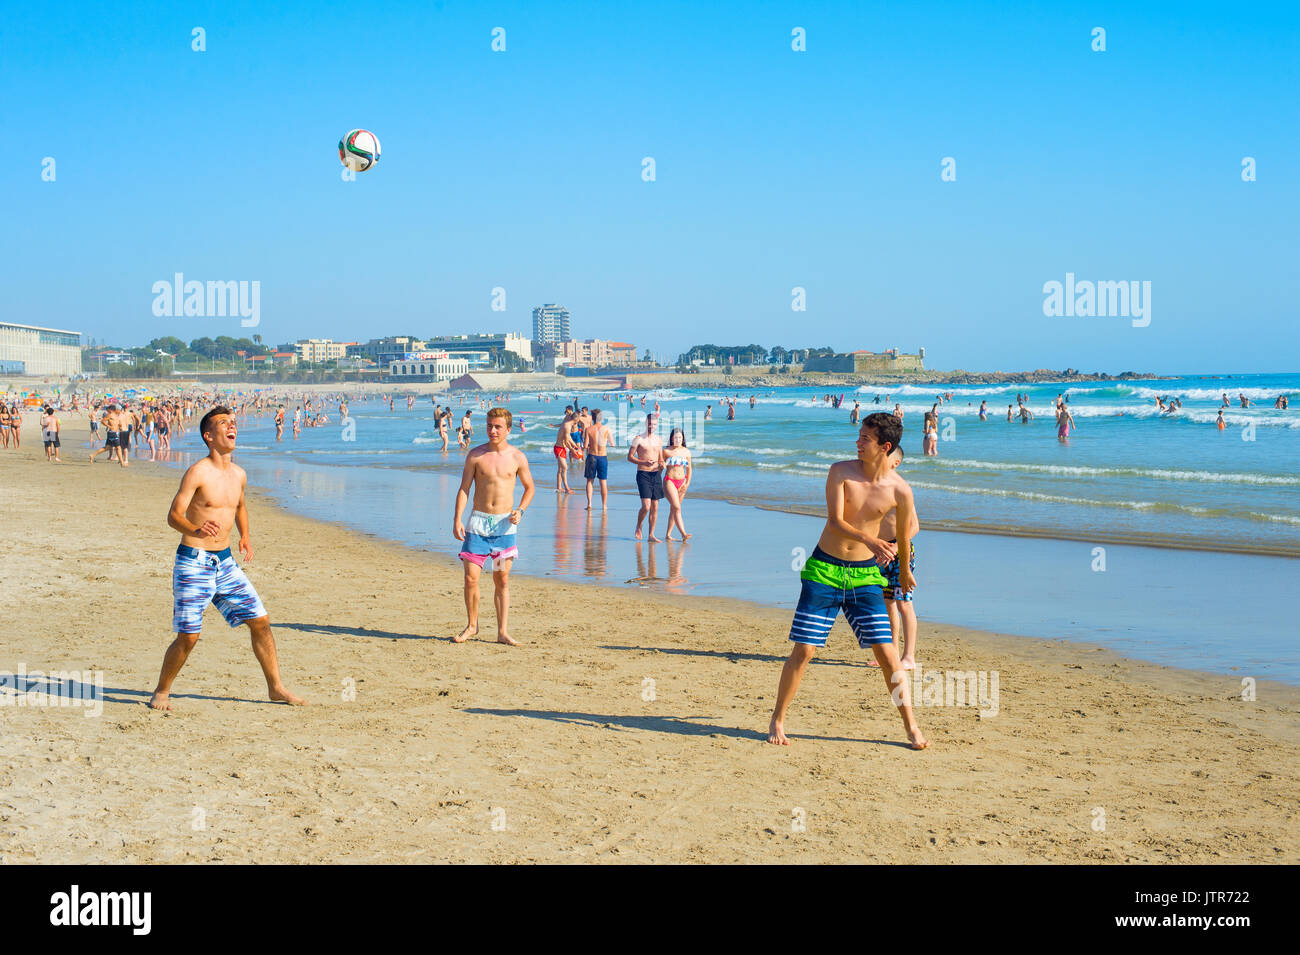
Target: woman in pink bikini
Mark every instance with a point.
(676, 462)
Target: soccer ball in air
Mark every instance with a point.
(359, 150)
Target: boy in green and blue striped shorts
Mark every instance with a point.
(844, 575)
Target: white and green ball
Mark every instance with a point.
(359, 150)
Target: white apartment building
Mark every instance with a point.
(320, 349)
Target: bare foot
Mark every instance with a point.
(907, 663)
(159, 701)
(507, 639)
(686, 537)
(873, 663)
(776, 734)
(654, 540)
(916, 739)
(281, 695)
(470, 631)
(638, 533)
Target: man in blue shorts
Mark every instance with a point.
(843, 574)
(210, 501)
(646, 452)
(597, 439)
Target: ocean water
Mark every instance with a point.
(1129, 473)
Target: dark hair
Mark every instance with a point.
(595, 414)
(676, 431)
(203, 424)
(887, 427)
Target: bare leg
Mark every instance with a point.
(173, 660)
(791, 675)
(681, 526)
(641, 514)
(264, 650)
(501, 597)
(899, 691)
(907, 610)
(670, 492)
(653, 515)
(675, 511)
(472, 571)
(895, 625)
(604, 495)
(590, 481)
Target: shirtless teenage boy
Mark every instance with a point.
(597, 438)
(491, 468)
(210, 501)
(842, 574)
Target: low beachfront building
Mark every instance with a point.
(497, 342)
(40, 351)
(428, 366)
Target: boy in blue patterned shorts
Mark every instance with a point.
(491, 469)
(210, 501)
(844, 574)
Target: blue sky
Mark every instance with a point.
(775, 169)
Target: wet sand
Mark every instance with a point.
(561, 750)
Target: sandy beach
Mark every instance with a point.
(562, 750)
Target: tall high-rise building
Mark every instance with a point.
(550, 324)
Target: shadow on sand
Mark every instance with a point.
(736, 657)
(664, 724)
(352, 631)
